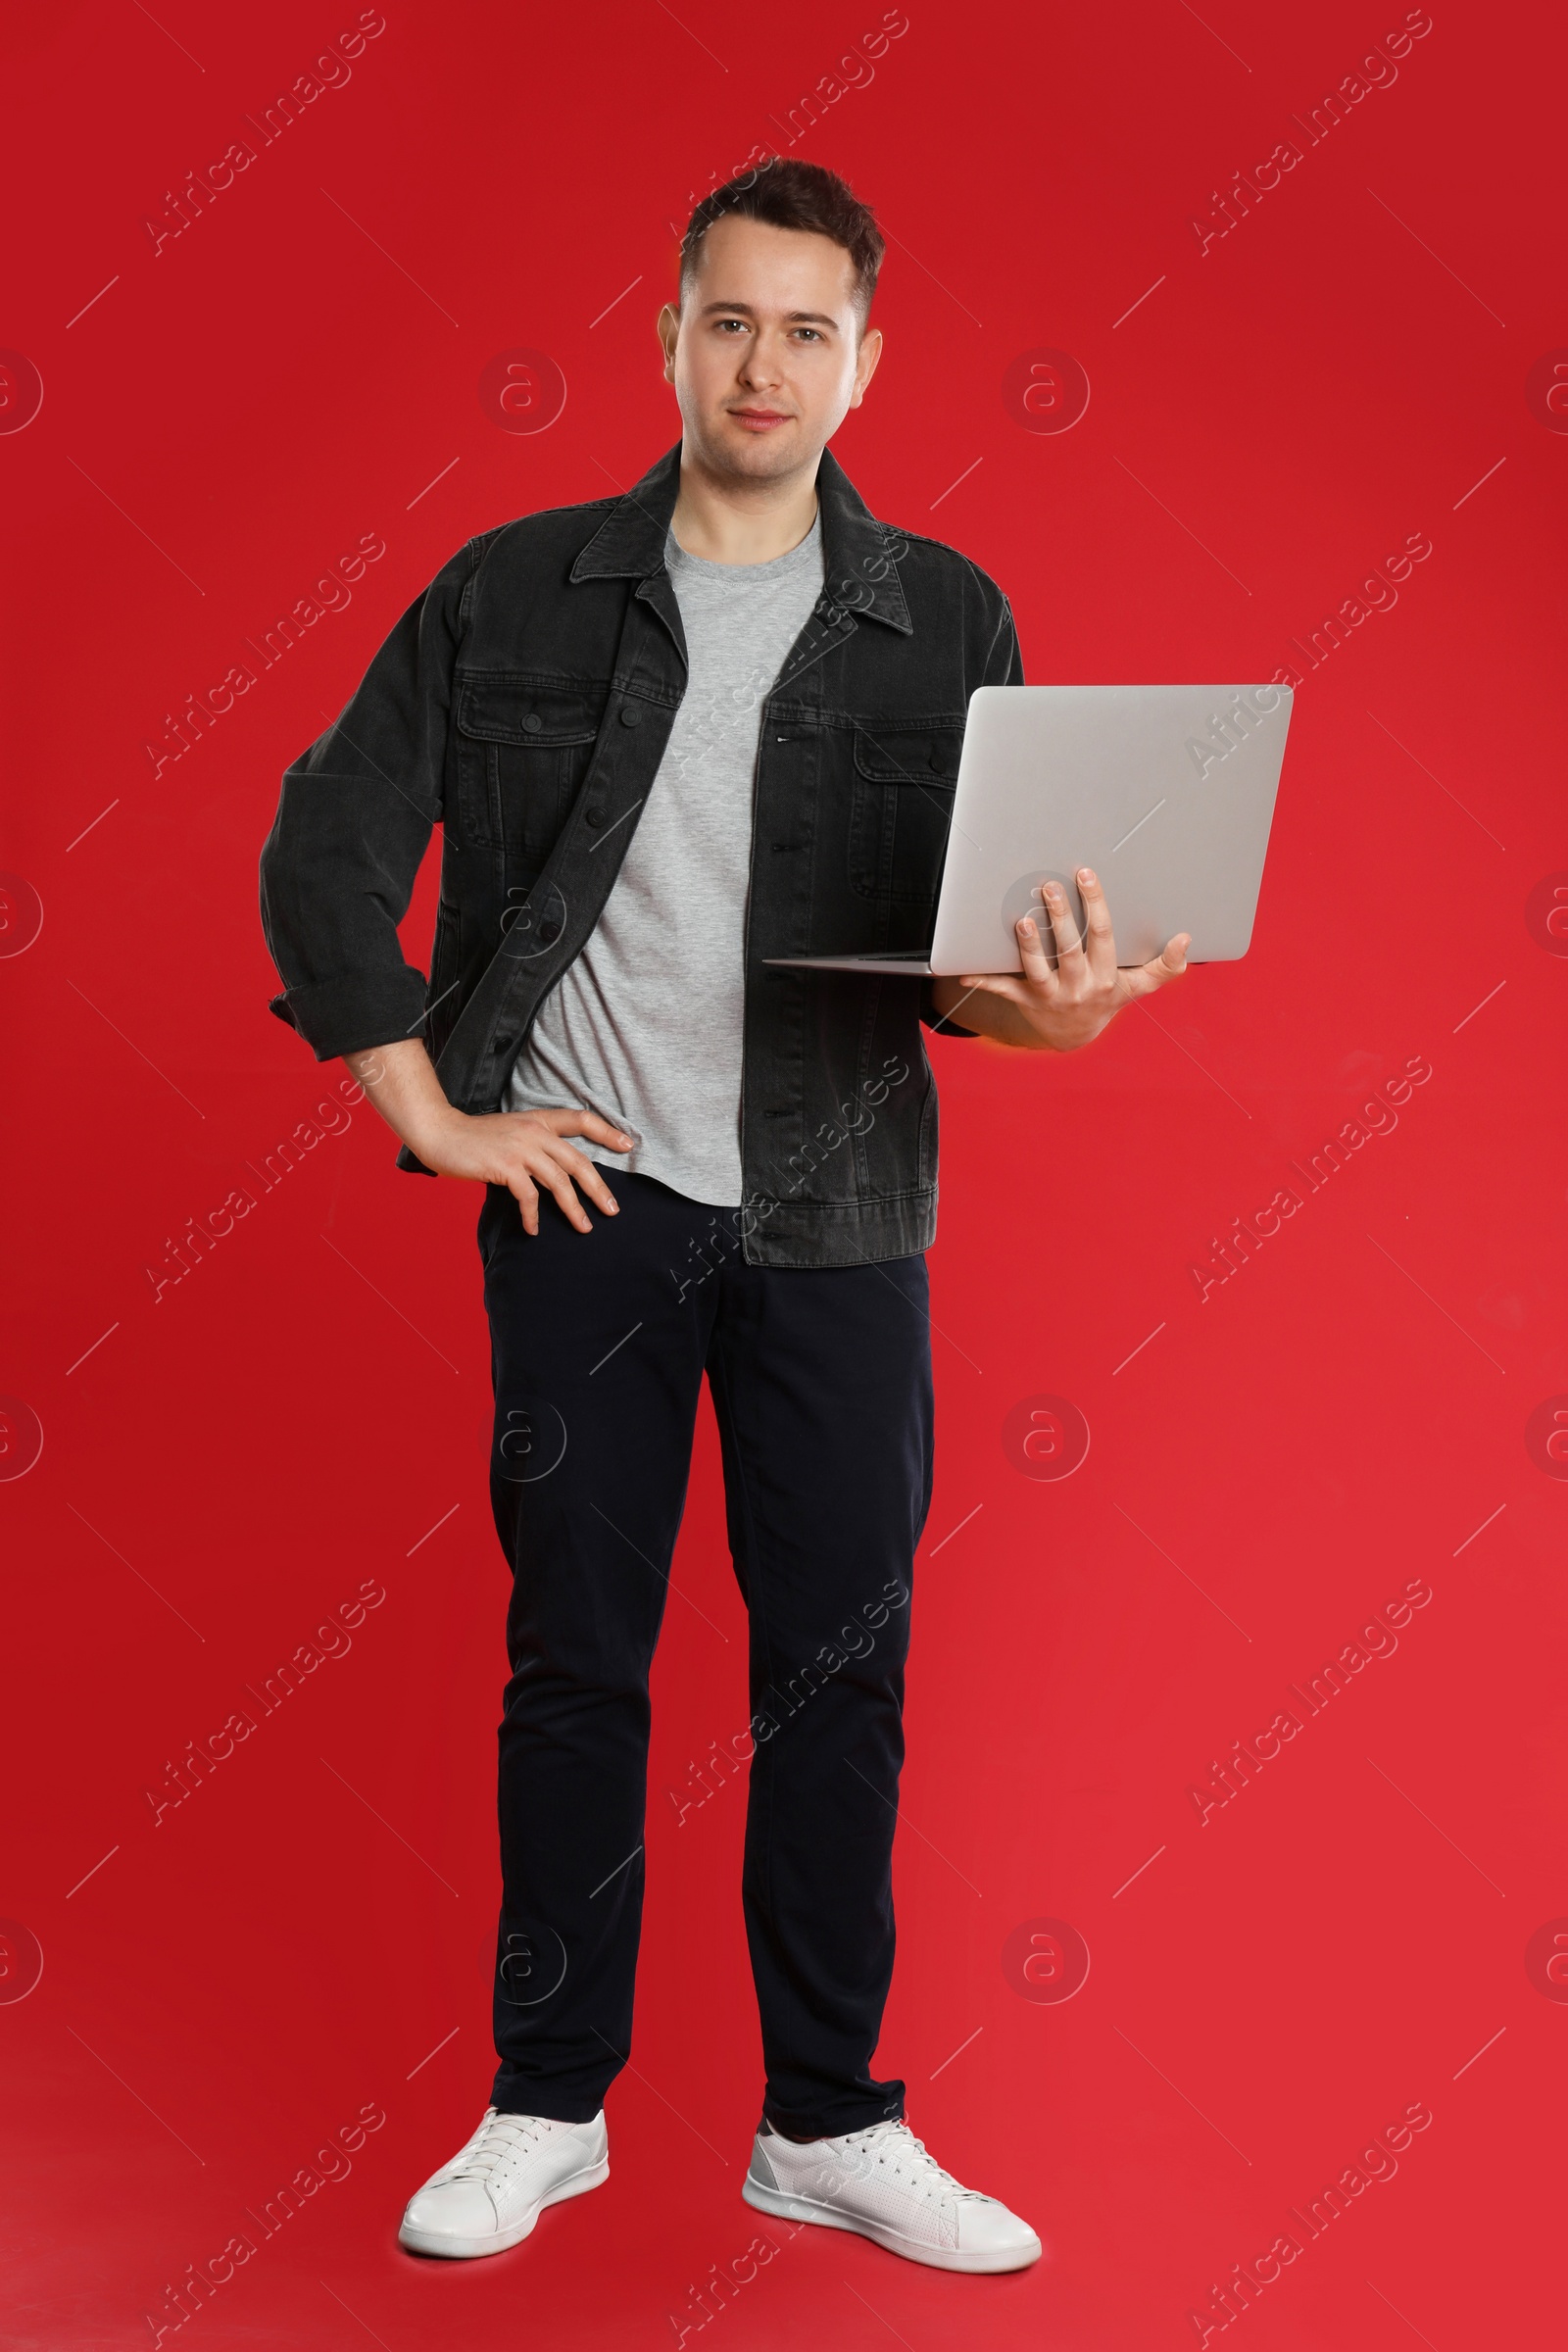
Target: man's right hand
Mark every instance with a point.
(526, 1150)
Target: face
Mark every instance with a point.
(763, 353)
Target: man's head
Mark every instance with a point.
(768, 346)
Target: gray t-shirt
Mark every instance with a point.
(646, 1026)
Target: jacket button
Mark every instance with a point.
(630, 714)
(935, 760)
(594, 818)
(533, 722)
(549, 933)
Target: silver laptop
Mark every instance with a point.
(1167, 792)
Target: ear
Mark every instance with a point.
(865, 362)
(668, 329)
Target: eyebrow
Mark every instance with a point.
(794, 318)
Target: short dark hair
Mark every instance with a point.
(787, 193)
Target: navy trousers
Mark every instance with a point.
(821, 1385)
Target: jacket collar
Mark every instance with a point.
(860, 575)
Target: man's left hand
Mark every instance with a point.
(1064, 1006)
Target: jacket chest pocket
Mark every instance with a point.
(899, 810)
(522, 749)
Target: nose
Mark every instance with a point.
(762, 368)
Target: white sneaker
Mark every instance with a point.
(494, 2188)
(882, 2184)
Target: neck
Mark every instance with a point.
(727, 519)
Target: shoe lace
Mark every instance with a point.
(499, 2137)
(895, 2140)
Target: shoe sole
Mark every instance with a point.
(469, 2249)
(939, 2258)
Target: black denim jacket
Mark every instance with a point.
(524, 702)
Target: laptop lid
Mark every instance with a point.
(1167, 792)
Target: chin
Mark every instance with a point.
(760, 457)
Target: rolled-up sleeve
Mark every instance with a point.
(352, 823)
(1004, 667)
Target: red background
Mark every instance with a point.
(226, 1989)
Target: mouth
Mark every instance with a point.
(758, 420)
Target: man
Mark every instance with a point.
(670, 735)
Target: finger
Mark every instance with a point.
(1037, 965)
(1002, 988)
(589, 1123)
(1097, 920)
(557, 1181)
(587, 1177)
(1069, 946)
(1169, 964)
(527, 1199)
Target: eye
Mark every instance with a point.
(813, 332)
